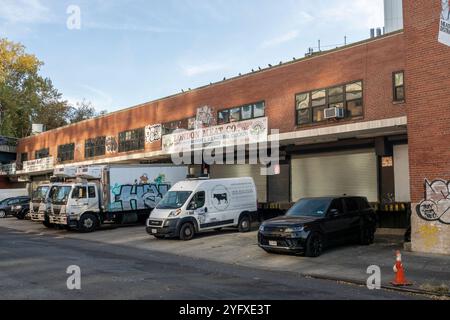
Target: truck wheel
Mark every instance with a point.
(187, 232)
(88, 223)
(314, 245)
(245, 224)
(47, 224)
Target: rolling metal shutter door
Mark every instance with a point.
(236, 171)
(353, 173)
(401, 174)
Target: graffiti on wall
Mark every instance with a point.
(205, 117)
(153, 133)
(143, 194)
(436, 205)
(111, 145)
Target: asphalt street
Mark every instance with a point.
(33, 266)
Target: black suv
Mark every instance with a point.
(7, 205)
(315, 223)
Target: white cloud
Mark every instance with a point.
(100, 100)
(195, 70)
(357, 13)
(23, 11)
(289, 36)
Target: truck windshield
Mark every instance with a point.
(59, 195)
(174, 200)
(310, 208)
(40, 193)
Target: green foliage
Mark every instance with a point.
(26, 97)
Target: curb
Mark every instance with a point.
(387, 287)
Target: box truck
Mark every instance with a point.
(40, 197)
(118, 194)
(197, 205)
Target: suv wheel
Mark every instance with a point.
(314, 245)
(88, 223)
(187, 232)
(2, 214)
(367, 236)
(245, 224)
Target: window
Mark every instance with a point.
(185, 124)
(198, 201)
(95, 147)
(24, 157)
(246, 112)
(132, 140)
(66, 152)
(399, 86)
(79, 193)
(41, 154)
(351, 204)
(310, 106)
(91, 191)
(337, 205)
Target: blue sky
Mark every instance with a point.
(132, 51)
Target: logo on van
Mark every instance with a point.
(220, 198)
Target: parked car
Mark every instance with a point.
(21, 209)
(198, 205)
(7, 204)
(313, 224)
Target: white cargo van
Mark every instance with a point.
(198, 205)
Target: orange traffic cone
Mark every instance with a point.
(400, 279)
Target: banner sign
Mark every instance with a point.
(444, 26)
(45, 164)
(249, 131)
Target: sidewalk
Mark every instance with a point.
(429, 273)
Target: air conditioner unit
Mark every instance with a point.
(334, 113)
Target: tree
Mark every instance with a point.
(83, 111)
(26, 97)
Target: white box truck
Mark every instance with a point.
(117, 194)
(197, 205)
(40, 201)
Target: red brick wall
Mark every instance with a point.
(428, 92)
(372, 62)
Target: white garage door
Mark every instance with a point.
(401, 173)
(353, 173)
(235, 171)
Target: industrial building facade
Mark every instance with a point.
(387, 137)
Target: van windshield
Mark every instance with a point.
(174, 200)
(40, 193)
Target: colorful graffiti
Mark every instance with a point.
(143, 194)
(111, 145)
(436, 205)
(153, 133)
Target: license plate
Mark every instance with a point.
(154, 231)
(273, 243)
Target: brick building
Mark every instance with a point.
(390, 143)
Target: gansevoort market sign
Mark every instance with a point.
(249, 131)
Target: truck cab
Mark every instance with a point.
(39, 202)
(69, 202)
